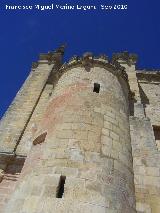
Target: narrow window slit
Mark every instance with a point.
(96, 87)
(156, 130)
(60, 188)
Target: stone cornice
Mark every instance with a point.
(153, 76)
(125, 57)
(88, 61)
(10, 156)
(53, 57)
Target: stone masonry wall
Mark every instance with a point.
(152, 109)
(145, 150)
(146, 157)
(28, 136)
(8, 181)
(87, 142)
(146, 164)
(16, 118)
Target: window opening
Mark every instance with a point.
(96, 87)
(156, 130)
(60, 188)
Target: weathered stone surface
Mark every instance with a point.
(99, 153)
(84, 134)
(19, 112)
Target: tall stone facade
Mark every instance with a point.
(84, 137)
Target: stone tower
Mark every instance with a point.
(83, 137)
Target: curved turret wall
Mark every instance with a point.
(87, 144)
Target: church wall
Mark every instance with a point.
(146, 158)
(80, 141)
(17, 116)
(27, 139)
(152, 109)
(87, 142)
(9, 178)
(145, 150)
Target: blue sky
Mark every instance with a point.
(25, 34)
